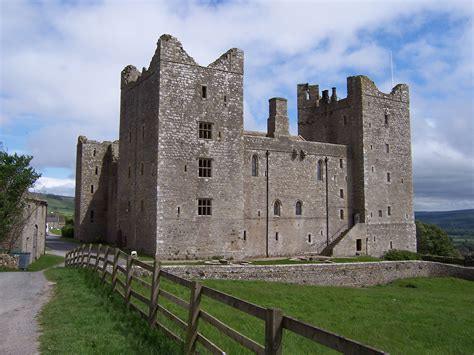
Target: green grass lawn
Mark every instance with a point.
(55, 231)
(411, 316)
(44, 262)
(84, 318)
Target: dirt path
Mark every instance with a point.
(22, 294)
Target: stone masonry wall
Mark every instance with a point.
(350, 274)
(9, 261)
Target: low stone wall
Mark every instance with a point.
(350, 274)
(9, 261)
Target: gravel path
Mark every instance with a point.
(22, 294)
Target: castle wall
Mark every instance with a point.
(292, 177)
(93, 179)
(138, 164)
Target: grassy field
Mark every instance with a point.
(411, 316)
(44, 262)
(61, 204)
(84, 318)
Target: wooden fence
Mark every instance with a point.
(110, 262)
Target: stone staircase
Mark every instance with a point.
(327, 251)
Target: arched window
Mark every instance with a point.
(254, 165)
(319, 170)
(277, 208)
(298, 208)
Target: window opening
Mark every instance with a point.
(341, 193)
(391, 245)
(204, 207)
(341, 163)
(380, 213)
(142, 168)
(185, 168)
(276, 236)
(341, 214)
(204, 91)
(143, 131)
(298, 208)
(389, 210)
(129, 172)
(96, 170)
(245, 235)
(205, 130)
(205, 167)
(358, 244)
(141, 205)
(319, 170)
(92, 189)
(388, 177)
(277, 208)
(258, 213)
(92, 215)
(254, 165)
(179, 211)
(94, 152)
(309, 238)
(308, 95)
(387, 148)
(386, 119)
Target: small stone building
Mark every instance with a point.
(185, 180)
(32, 237)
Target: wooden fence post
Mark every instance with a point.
(89, 252)
(193, 317)
(104, 265)
(83, 255)
(97, 256)
(76, 256)
(155, 288)
(128, 281)
(114, 269)
(273, 331)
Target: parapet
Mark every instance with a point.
(170, 49)
(277, 124)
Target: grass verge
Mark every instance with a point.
(83, 317)
(44, 262)
(410, 316)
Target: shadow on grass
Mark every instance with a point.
(85, 317)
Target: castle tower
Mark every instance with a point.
(181, 160)
(376, 126)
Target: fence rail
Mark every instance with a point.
(112, 263)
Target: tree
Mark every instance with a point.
(16, 176)
(434, 241)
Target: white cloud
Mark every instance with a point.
(63, 187)
(61, 62)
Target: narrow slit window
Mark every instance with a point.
(129, 172)
(387, 148)
(389, 210)
(96, 170)
(341, 193)
(143, 131)
(179, 211)
(391, 245)
(345, 120)
(204, 207)
(254, 165)
(276, 236)
(92, 216)
(386, 119)
(128, 206)
(341, 163)
(358, 244)
(341, 214)
(245, 235)
(141, 205)
(204, 91)
(388, 177)
(142, 168)
(92, 189)
(309, 238)
(185, 168)
(94, 152)
(308, 95)
(225, 98)
(319, 170)
(380, 213)
(205, 167)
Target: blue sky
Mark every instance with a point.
(61, 61)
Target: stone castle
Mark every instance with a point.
(186, 181)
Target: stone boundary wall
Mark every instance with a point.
(10, 261)
(347, 274)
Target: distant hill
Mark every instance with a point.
(60, 204)
(455, 223)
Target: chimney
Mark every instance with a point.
(325, 96)
(334, 95)
(277, 124)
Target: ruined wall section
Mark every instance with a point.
(138, 164)
(292, 177)
(190, 94)
(93, 167)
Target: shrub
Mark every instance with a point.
(67, 231)
(401, 255)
